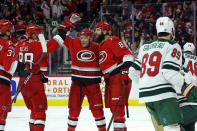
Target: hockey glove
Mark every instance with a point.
(33, 68)
(190, 91)
(187, 88)
(124, 75)
(44, 78)
(73, 19)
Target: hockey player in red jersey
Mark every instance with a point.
(114, 61)
(86, 76)
(33, 93)
(8, 65)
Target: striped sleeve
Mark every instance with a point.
(171, 66)
(173, 58)
(134, 70)
(136, 65)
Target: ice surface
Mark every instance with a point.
(57, 119)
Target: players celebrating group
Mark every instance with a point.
(166, 76)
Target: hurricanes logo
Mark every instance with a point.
(86, 55)
(102, 57)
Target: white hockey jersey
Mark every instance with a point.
(160, 78)
(190, 62)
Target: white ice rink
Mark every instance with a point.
(57, 119)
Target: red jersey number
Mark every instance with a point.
(176, 53)
(192, 67)
(26, 57)
(154, 61)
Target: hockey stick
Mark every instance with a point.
(44, 49)
(127, 110)
(121, 94)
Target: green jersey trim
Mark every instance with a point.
(166, 84)
(170, 67)
(156, 91)
(170, 62)
(135, 66)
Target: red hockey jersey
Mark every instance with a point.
(31, 52)
(111, 54)
(8, 61)
(85, 61)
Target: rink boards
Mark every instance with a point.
(57, 91)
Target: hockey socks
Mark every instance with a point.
(101, 124)
(119, 119)
(31, 124)
(72, 123)
(2, 125)
(3, 122)
(37, 121)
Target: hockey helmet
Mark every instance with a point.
(165, 24)
(189, 47)
(86, 32)
(5, 25)
(103, 26)
(33, 29)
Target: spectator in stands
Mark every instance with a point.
(57, 8)
(54, 22)
(46, 9)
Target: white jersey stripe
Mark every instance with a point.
(59, 40)
(71, 122)
(32, 121)
(110, 69)
(100, 122)
(86, 76)
(84, 68)
(39, 122)
(43, 68)
(3, 77)
(119, 125)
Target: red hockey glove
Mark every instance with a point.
(33, 68)
(73, 19)
(124, 75)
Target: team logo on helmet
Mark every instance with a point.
(86, 55)
(102, 57)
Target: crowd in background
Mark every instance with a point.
(131, 20)
(47, 13)
(119, 15)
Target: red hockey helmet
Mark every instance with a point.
(33, 29)
(103, 25)
(5, 25)
(86, 32)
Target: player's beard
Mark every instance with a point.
(99, 38)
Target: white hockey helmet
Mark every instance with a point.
(165, 24)
(189, 47)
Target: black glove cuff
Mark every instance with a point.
(127, 64)
(62, 33)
